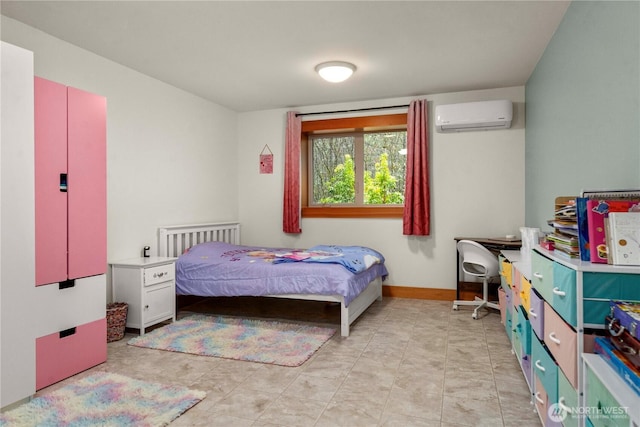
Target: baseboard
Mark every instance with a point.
(418, 293)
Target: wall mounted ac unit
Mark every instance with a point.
(469, 116)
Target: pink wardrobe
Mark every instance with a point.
(70, 230)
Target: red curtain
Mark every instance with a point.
(291, 210)
(415, 218)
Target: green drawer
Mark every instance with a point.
(598, 398)
(568, 398)
(542, 275)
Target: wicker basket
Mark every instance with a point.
(116, 320)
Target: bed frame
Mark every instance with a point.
(174, 240)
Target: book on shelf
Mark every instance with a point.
(581, 213)
(565, 243)
(583, 228)
(597, 210)
(623, 237)
(565, 227)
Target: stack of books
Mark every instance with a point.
(608, 226)
(565, 227)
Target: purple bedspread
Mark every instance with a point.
(223, 269)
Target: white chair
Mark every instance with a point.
(478, 261)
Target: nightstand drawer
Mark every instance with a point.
(159, 274)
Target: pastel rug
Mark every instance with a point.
(105, 399)
(278, 343)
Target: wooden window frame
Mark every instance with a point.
(351, 124)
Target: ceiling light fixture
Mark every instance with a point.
(335, 71)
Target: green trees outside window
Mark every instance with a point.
(358, 168)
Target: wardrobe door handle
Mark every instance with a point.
(558, 292)
(532, 313)
(63, 182)
(539, 366)
(538, 398)
(537, 275)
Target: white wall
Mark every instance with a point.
(17, 231)
(477, 189)
(171, 155)
(176, 158)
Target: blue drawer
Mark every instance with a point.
(564, 293)
(523, 329)
(545, 368)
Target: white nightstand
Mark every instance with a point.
(148, 286)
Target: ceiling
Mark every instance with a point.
(257, 55)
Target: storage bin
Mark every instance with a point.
(116, 320)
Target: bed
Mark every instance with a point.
(199, 247)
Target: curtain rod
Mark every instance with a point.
(353, 111)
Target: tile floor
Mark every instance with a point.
(406, 363)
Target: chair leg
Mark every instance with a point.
(479, 303)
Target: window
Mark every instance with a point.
(354, 167)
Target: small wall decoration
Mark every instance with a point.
(266, 160)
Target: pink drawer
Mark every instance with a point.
(63, 354)
(562, 342)
(502, 300)
(536, 314)
(515, 299)
(540, 397)
(517, 277)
